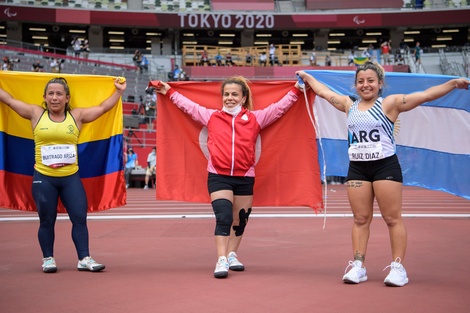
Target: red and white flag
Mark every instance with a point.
(287, 173)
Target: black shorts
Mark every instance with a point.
(384, 169)
(241, 186)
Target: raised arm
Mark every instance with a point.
(395, 104)
(27, 111)
(198, 112)
(277, 109)
(86, 115)
(340, 102)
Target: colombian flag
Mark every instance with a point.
(287, 173)
(100, 146)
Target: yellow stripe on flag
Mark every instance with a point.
(360, 60)
(85, 91)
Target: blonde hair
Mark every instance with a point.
(246, 91)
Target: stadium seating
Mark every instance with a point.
(262, 5)
(154, 5)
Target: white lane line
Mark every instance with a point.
(200, 216)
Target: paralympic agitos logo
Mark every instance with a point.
(8, 13)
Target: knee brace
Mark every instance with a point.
(223, 216)
(244, 215)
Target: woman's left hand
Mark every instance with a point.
(462, 83)
(120, 83)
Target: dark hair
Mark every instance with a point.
(63, 82)
(376, 67)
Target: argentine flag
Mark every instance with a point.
(433, 140)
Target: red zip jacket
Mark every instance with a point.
(231, 139)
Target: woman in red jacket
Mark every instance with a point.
(232, 134)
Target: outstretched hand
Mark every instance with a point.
(120, 83)
(301, 74)
(462, 83)
(161, 87)
(300, 84)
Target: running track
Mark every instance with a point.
(160, 257)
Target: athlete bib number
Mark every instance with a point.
(58, 155)
(365, 152)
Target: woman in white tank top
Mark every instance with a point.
(374, 171)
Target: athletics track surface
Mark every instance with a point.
(160, 256)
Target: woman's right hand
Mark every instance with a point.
(302, 74)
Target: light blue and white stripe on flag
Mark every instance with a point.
(433, 140)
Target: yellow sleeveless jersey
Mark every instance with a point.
(56, 146)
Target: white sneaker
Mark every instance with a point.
(397, 276)
(48, 265)
(88, 264)
(146, 187)
(233, 262)
(357, 274)
(221, 268)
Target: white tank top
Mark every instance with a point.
(370, 133)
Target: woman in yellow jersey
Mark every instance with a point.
(55, 131)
